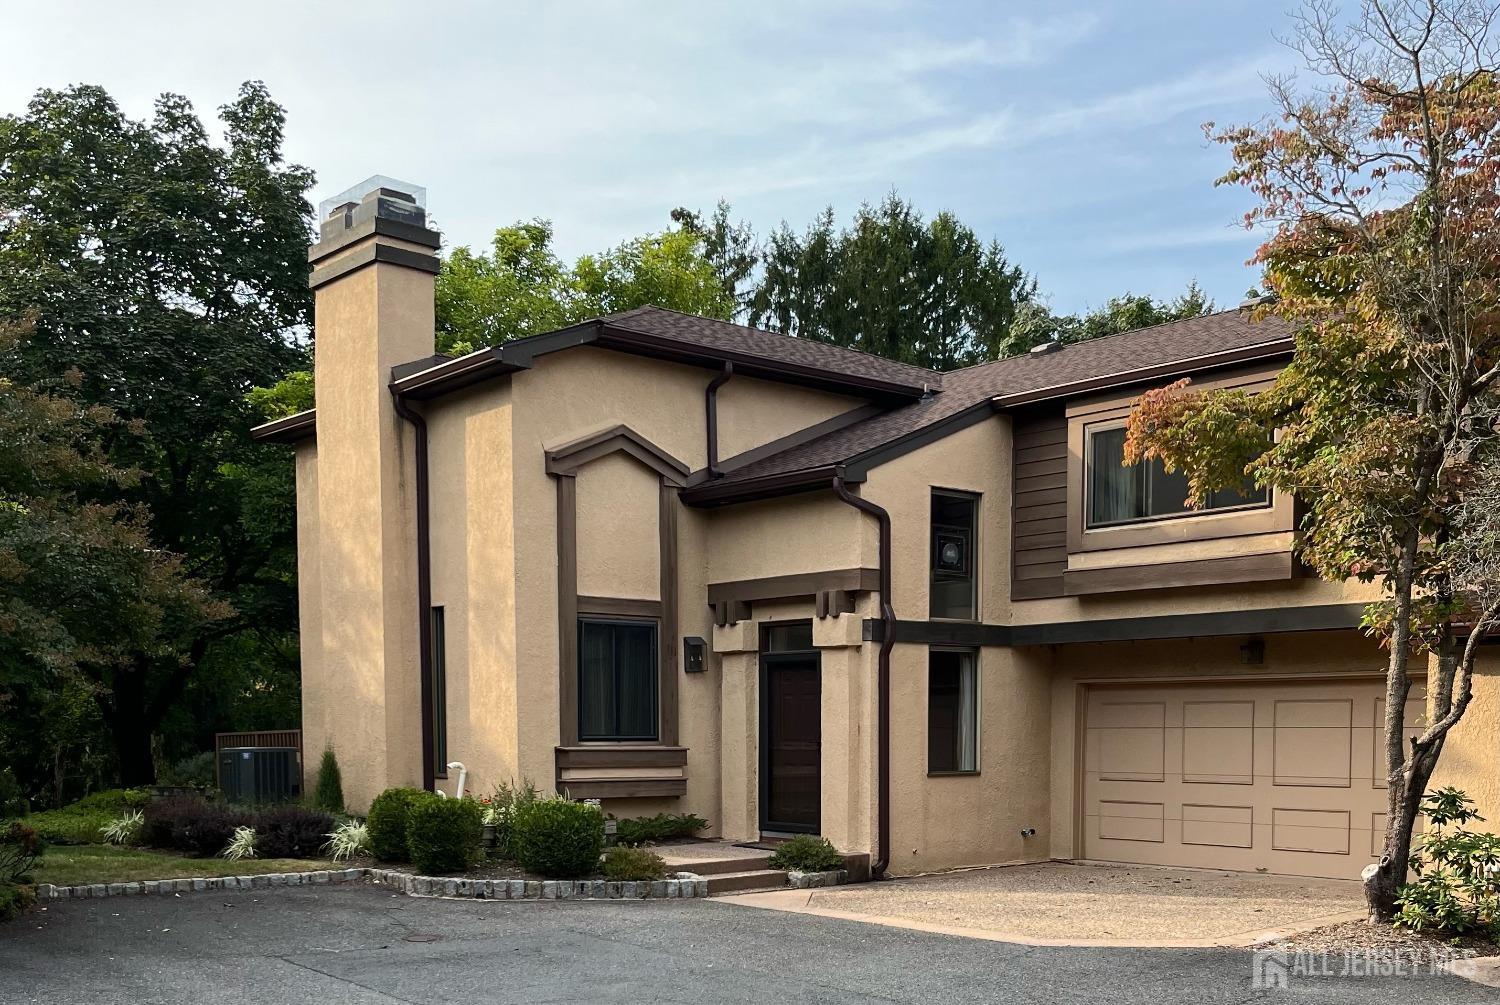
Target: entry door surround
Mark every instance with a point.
(790, 730)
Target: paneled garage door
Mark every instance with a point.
(1277, 777)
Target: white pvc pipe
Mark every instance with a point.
(463, 774)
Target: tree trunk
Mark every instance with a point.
(1383, 880)
(132, 740)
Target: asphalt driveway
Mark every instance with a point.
(1089, 904)
(363, 945)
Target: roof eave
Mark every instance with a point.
(783, 483)
(1274, 349)
(288, 429)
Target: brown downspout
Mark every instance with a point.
(711, 411)
(883, 674)
(424, 586)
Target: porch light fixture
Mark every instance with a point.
(694, 654)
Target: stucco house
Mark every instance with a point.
(678, 564)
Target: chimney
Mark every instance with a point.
(373, 272)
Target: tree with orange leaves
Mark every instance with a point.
(1381, 191)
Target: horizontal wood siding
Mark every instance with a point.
(1039, 528)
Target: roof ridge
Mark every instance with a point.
(766, 331)
(1101, 338)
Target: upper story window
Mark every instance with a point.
(1120, 493)
(617, 671)
(954, 540)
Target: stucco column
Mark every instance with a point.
(372, 275)
(849, 741)
(1471, 760)
(739, 712)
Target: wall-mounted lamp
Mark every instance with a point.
(1253, 652)
(694, 654)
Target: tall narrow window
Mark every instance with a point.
(952, 592)
(952, 711)
(617, 674)
(439, 693)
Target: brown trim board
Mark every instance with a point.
(623, 788)
(290, 429)
(801, 584)
(1270, 621)
(621, 756)
(1269, 567)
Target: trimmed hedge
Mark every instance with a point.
(387, 823)
(443, 835)
(191, 825)
(633, 864)
(558, 838)
(291, 832)
(805, 853)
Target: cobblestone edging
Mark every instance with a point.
(684, 885)
(812, 880)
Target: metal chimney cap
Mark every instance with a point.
(375, 185)
(1044, 348)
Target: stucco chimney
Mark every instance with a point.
(373, 274)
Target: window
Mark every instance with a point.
(1119, 493)
(952, 590)
(952, 711)
(439, 694)
(617, 675)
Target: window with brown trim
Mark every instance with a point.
(952, 711)
(617, 679)
(951, 593)
(439, 694)
(1126, 493)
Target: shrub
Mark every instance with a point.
(623, 863)
(14, 899)
(329, 793)
(443, 835)
(20, 850)
(82, 822)
(191, 825)
(559, 838)
(241, 845)
(500, 813)
(291, 832)
(13, 801)
(1457, 889)
(662, 827)
(197, 770)
(805, 853)
(350, 838)
(387, 823)
(125, 829)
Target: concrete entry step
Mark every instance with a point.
(743, 882)
(710, 858)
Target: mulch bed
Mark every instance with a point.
(1363, 937)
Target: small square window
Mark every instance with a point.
(951, 592)
(617, 674)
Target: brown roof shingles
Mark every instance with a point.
(1163, 346)
(691, 330)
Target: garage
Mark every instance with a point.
(1269, 776)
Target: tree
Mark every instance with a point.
(1035, 324)
(927, 293)
(523, 288)
(86, 598)
(169, 270)
(1383, 188)
(729, 247)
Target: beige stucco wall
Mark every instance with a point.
(1471, 756)
(811, 532)
(752, 412)
(474, 580)
(319, 696)
(619, 549)
(368, 321)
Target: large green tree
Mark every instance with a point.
(521, 287)
(1383, 192)
(1036, 324)
(931, 293)
(167, 269)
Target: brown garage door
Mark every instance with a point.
(1270, 776)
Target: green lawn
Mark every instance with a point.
(72, 865)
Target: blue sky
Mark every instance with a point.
(1069, 131)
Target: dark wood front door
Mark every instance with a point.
(791, 742)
